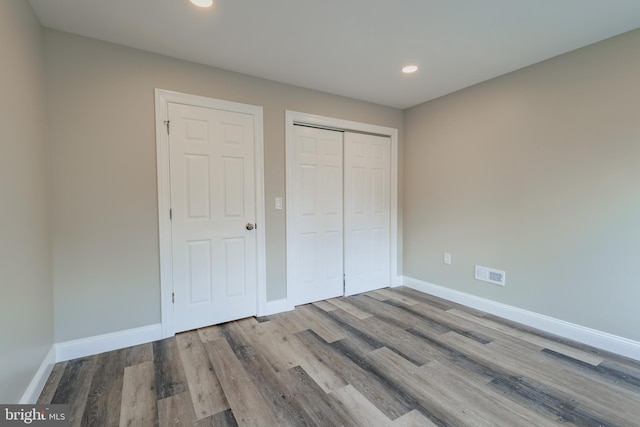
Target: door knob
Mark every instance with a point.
(250, 226)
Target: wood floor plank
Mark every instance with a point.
(52, 383)
(463, 352)
(494, 405)
(392, 337)
(449, 398)
(170, 376)
(444, 353)
(397, 296)
(74, 385)
(402, 375)
(601, 373)
(398, 314)
(325, 305)
(139, 354)
(544, 343)
(622, 364)
(210, 333)
(290, 322)
(627, 371)
(315, 366)
(259, 372)
(206, 392)
(350, 308)
(139, 405)
(467, 328)
(434, 318)
(321, 325)
(285, 351)
(362, 412)
(375, 295)
(539, 379)
(350, 331)
(221, 419)
(247, 404)
(273, 343)
(607, 396)
(412, 419)
(429, 300)
(318, 408)
(391, 402)
(104, 399)
(176, 410)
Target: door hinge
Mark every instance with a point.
(166, 122)
(170, 214)
(173, 297)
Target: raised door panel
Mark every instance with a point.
(199, 270)
(197, 189)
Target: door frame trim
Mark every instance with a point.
(292, 118)
(162, 99)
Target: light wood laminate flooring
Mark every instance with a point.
(393, 357)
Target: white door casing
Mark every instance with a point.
(210, 174)
(316, 212)
(367, 164)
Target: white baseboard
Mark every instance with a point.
(397, 281)
(113, 341)
(592, 337)
(36, 385)
(274, 307)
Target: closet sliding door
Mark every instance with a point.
(367, 179)
(338, 222)
(316, 216)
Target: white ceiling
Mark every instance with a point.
(353, 48)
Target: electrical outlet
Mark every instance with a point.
(446, 258)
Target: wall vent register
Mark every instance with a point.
(490, 275)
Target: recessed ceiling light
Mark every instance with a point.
(202, 3)
(410, 69)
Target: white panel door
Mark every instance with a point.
(367, 166)
(214, 245)
(317, 216)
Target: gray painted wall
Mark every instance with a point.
(26, 310)
(104, 209)
(536, 173)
